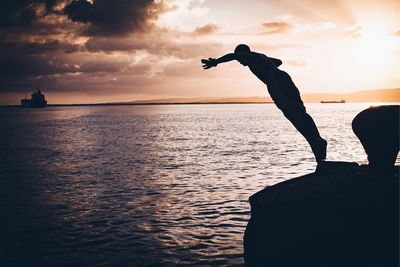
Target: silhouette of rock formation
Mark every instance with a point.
(378, 130)
(341, 215)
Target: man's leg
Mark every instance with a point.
(306, 126)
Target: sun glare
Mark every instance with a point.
(376, 38)
(375, 48)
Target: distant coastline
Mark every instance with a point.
(144, 104)
(170, 104)
(379, 95)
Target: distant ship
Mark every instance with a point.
(37, 100)
(326, 102)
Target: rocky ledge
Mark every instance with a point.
(341, 215)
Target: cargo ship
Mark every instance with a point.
(327, 102)
(37, 100)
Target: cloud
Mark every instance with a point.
(23, 12)
(130, 63)
(48, 42)
(159, 43)
(295, 62)
(354, 31)
(117, 17)
(16, 12)
(118, 43)
(276, 27)
(206, 29)
(105, 64)
(397, 34)
(46, 46)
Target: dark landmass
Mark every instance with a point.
(342, 215)
(379, 95)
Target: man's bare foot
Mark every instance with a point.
(320, 150)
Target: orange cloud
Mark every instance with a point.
(355, 31)
(206, 29)
(396, 33)
(276, 27)
(295, 62)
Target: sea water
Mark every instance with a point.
(157, 185)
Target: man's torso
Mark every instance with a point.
(280, 86)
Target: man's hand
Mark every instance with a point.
(209, 63)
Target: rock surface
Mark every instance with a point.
(339, 216)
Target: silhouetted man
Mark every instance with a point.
(281, 89)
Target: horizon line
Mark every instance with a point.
(232, 99)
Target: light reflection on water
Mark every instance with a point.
(143, 185)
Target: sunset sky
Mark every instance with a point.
(114, 50)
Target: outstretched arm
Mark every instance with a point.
(212, 62)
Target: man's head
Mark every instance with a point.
(242, 48)
(242, 52)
